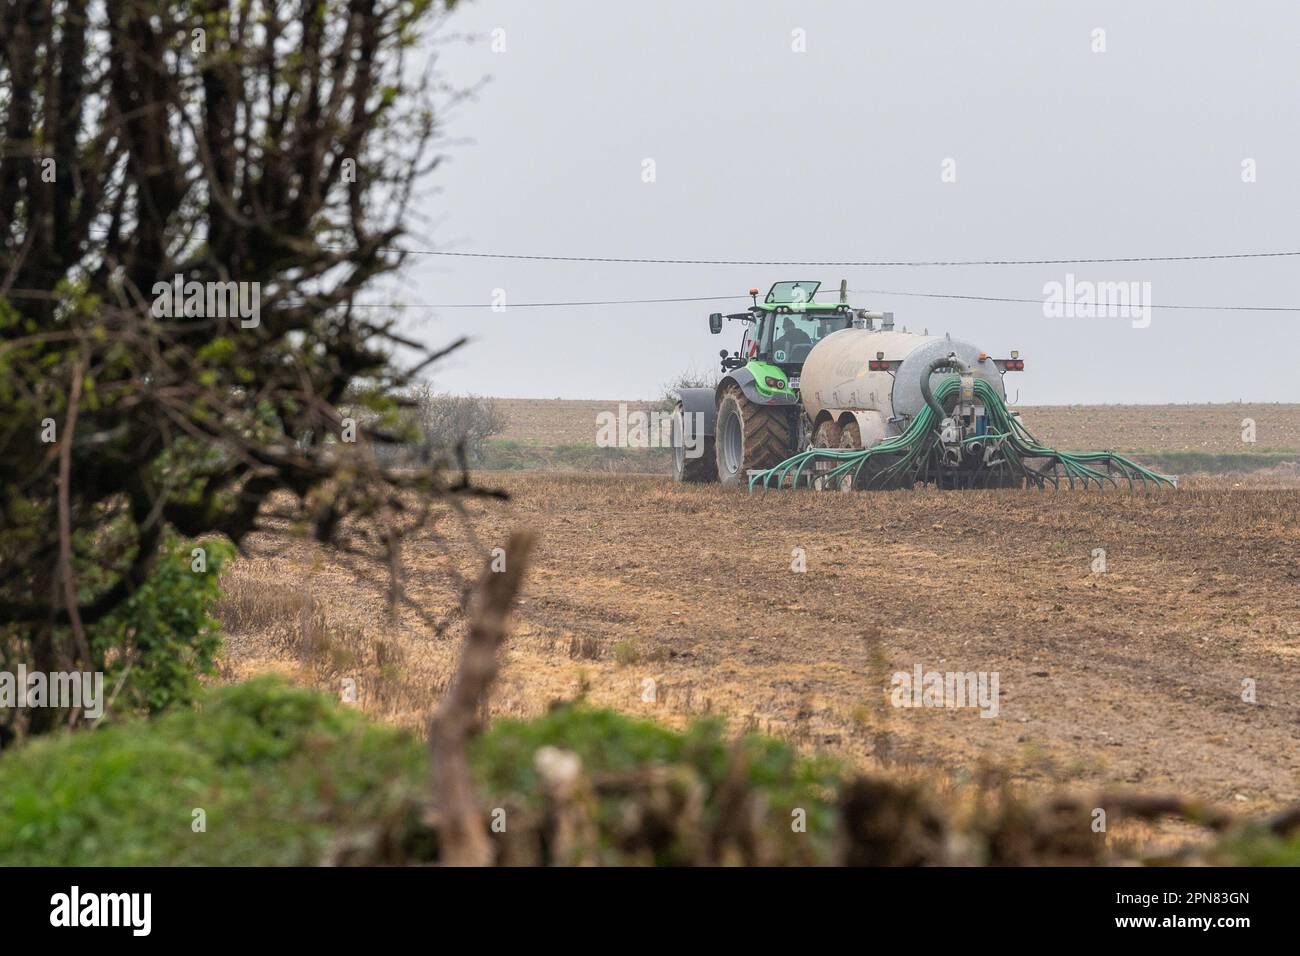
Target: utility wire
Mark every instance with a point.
(723, 298)
(99, 233)
(879, 263)
(544, 305)
(506, 306)
(865, 263)
(1040, 301)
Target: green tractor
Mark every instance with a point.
(870, 414)
(753, 419)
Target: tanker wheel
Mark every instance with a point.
(700, 464)
(827, 435)
(750, 436)
(850, 438)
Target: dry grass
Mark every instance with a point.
(294, 630)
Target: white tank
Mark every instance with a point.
(836, 379)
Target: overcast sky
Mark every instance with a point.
(838, 152)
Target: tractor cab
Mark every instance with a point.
(783, 328)
(752, 417)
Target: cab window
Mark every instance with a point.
(749, 345)
(795, 334)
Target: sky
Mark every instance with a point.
(836, 130)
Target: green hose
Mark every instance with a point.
(915, 455)
(949, 361)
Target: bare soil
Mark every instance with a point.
(673, 601)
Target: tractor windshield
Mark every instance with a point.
(794, 334)
(792, 293)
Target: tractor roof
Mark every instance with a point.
(788, 293)
(805, 307)
(796, 296)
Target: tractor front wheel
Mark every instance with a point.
(750, 436)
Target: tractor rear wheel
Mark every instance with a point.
(750, 436)
(703, 466)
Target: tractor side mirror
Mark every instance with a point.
(715, 323)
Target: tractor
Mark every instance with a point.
(827, 396)
(753, 419)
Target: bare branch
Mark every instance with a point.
(462, 829)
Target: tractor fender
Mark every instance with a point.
(744, 378)
(701, 400)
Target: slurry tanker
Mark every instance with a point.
(822, 395)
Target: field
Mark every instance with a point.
(1125, 428)
(1173, 667)
(553, 433)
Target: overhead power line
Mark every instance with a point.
(846, 263)
(1040, 301)
(824, 263)
(544, 305)
(506, 306)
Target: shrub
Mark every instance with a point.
(153, 648)
(443, 423)
(156, 645)
(609, 744)
(281, 776)
(289, 776)
(691, 378)
(125, 418)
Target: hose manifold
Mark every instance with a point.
(948, 361)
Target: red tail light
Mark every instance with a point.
(876, 365)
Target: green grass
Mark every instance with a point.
(1255, 846)
(1213, 462)
(279, 773)
(510, 455)
(611, 743)
(285, 775)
